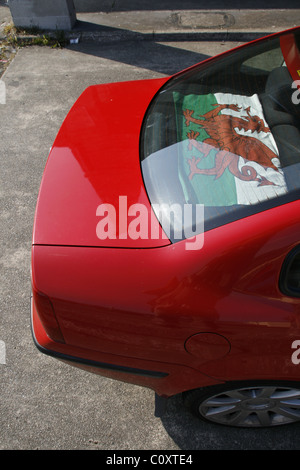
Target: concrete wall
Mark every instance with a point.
(44, 14)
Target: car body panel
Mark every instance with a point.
(156, 311)
(159, 376)
(95, 160)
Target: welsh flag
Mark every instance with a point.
(229, 155)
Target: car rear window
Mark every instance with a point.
(226, 134)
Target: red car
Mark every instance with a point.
(166, 242)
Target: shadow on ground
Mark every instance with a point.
(144, 5)
(159, 58)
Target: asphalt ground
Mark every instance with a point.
(47, 404)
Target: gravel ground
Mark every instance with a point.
(7, 49)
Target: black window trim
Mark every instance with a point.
(283, 284)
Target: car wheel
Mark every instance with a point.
(246, 405)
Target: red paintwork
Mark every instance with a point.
(202, 317)
(156, 307)
(94, 160)
(291, 56)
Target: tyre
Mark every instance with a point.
(243, 404)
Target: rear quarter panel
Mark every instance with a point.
(146, 303)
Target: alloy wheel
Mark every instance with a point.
(260, 406)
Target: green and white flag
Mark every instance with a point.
(229, 155)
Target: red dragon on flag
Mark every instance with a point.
(221, 129)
